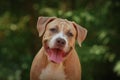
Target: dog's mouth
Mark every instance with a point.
(56, 55)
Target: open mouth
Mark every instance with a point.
(55, 55)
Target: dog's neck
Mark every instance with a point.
(53, 71)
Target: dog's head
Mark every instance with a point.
(59, 37)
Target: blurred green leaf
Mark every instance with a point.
(117, 68)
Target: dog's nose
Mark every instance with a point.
(60, 42)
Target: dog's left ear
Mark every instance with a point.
(42, 23)
(81, 33)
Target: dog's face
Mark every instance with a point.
(59, 37)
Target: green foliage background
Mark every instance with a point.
(19, 41)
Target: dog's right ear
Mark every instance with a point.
(42, 23)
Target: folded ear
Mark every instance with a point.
(42, 23)
(81, 33)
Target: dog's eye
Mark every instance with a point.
(53, 30)
(69, 34)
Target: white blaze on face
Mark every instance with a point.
(59, 35)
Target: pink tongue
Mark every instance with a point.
(56, 56)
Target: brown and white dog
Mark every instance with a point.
(57, 59)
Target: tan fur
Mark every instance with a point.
(53, 72)
(69, 68)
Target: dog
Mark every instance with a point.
(57, 59)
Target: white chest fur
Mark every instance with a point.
(53, 72)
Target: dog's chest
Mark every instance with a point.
(53, 72)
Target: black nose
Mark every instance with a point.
(60, 42)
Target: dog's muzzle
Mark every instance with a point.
(56, 53)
